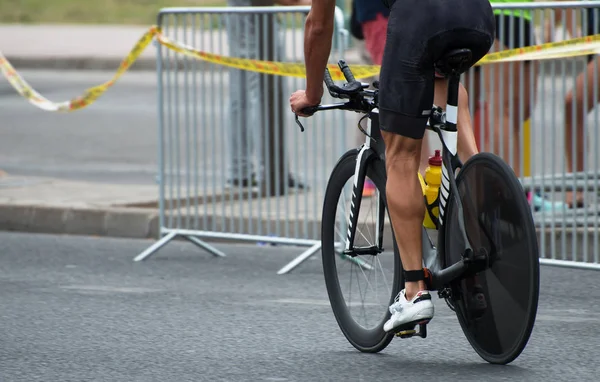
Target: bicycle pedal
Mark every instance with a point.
(408, 331)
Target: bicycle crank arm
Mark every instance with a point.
(442, 278)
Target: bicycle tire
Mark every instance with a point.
(499, 320)
(365, 340)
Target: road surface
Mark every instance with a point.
(78, 308)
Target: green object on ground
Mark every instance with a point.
(136, 12)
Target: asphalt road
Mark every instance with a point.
(79, 309)
(116, 138)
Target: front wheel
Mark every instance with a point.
(360, 285)
(496, 307)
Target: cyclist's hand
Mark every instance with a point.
(299, 101)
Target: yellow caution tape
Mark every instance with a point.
(581, 46)
(287, 69)
(568, 48)
(89, 96)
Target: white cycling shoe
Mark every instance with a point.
(419, 310)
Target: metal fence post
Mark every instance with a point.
(272, 86)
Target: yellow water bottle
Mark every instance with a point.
(433, 182)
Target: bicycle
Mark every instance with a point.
(485, 265)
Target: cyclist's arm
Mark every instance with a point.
(318, 34)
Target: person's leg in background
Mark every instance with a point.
(238, 133)
(466, 141)
(292, 181)
(503, 105)
(579, 102)
(498, 80)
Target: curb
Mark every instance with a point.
(143, 223)
(115, 222)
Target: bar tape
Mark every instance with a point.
(569, 48)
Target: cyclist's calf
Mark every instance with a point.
(405, 201)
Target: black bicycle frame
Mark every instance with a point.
(374, 147)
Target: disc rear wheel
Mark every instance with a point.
(496, 307)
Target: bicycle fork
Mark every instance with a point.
(365, 154)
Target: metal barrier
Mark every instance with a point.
(529, 116)
(233, 164)
(218, 125)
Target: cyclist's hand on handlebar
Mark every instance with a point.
(299, 101)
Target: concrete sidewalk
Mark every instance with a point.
(48, 205)
(45, 205)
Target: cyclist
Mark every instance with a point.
(419, 33)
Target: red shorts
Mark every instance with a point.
(375, 32)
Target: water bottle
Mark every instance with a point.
(433, 182)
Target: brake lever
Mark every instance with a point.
(310, 110)
(299, 124)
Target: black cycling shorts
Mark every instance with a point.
(419, 33)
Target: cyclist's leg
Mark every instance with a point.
(406, 97)
(375, 32)
(467, 146)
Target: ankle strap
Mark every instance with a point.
(414, 276)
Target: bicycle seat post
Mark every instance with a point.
(452, 105)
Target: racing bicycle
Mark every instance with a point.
(485, 264)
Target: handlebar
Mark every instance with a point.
(353, 90)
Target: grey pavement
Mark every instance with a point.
(79, 309)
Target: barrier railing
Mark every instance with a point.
(541, 117)
(212, 118)
(232, 163)
(227, 143)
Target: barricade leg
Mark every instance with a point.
(204, 245)
(155, 247)
(300, 259)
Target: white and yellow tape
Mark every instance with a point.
(568, 48)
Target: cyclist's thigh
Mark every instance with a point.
(406, 81)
